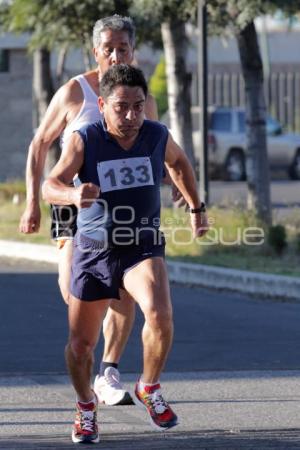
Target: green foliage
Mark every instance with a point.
(158, 86)
(58, 22)
(230, 16)
(164, 10)
(149, 14)
(277, 238)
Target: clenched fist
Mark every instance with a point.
(30, 220)
(85, 194)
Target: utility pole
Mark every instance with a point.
(202, 89)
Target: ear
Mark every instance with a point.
(101, 104)
(95, 52)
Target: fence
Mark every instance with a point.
(282, 93)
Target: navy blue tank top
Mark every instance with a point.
(128, 209)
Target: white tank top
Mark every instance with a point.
(89, 111)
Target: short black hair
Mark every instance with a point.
(122, 75)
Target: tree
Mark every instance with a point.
(170, 17)
(238, 17)
(257, 165)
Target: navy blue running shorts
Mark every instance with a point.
(97, 273)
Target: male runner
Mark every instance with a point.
(120, 162)
(73, 106)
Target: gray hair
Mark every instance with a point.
(114, 23)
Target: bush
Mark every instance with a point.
(277, 238)
(158, 87)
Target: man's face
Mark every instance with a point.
(124, 111)
(115, 48)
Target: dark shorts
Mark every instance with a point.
(63, 222)
(98, 273)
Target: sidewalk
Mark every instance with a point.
(264, 285)
(217, 410)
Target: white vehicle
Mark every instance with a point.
(227, 143)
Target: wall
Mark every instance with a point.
(15, 115)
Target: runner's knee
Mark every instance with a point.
(159, 319)
(81, 348)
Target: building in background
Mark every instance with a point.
(16, 105)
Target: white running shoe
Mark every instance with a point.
(109, 390)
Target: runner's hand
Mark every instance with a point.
(30, 219)
(199, 224)
(85, 194)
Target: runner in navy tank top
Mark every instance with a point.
(134, 175)
(73, 106)
(120, 166)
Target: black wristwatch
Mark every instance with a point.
(201, 209)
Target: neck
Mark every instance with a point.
(125, 142)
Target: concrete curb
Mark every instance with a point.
(267, 285)
(34, 252)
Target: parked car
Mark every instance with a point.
(227, 143)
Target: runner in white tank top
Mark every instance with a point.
(88, 113)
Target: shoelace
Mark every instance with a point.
(87, 420)
(158, 402)
(113, 380)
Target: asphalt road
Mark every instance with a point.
(213, 330)
(226, 377)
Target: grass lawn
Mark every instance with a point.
(234, 240)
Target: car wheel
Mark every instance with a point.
(235, 166)
(295, 167)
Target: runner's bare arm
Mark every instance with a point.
(183, 177)
(56, 188)
(50, 128)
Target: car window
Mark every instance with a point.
(242, 122)
(221, 121)
(273, 127)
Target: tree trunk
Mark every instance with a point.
(87, 58)
(179, 82)
(42, 93)
(60, 66)
(257, 166)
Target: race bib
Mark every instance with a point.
(125, 173)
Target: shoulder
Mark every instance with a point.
(70, 92)
(93, 130)
(154, 126)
